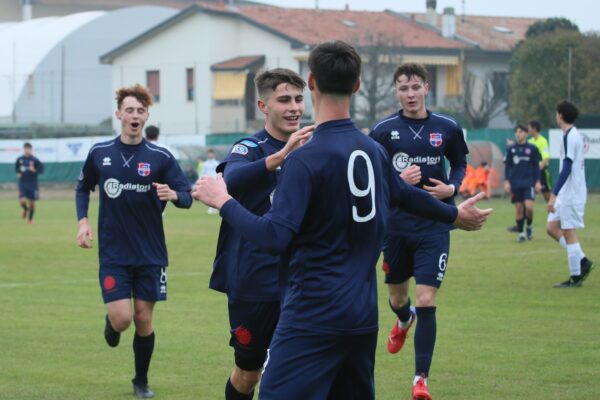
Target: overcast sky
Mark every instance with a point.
(585, 13)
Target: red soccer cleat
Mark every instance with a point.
(420, 391)
(398, 335)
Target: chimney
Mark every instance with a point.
(26, 10)
(431, 16)
(231, 5)
(448, 23)
(347, 8)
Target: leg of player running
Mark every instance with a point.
(241, 384)
(529, 218)
(400, 305)
(425, 336)
(143, 346)
(553, 230)
(23, 204)
(520, 218)
(31, 206)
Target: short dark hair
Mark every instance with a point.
(410, 70)
(568, 111)
(152, 132)
(27, 145)
(271, 78)
(521, 127)
(535, 125)
(336, 67)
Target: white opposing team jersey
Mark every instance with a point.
(574, 191)
(210, 167)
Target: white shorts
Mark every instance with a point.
(570, 216)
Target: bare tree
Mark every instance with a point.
(375, 98)
(484, 98)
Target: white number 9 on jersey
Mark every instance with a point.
(369, 190)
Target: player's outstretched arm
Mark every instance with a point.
(471, 218)
(262, 231)
(211, 191)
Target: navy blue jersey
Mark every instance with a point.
(334, 195)
(426, 143)
(28, 178)
(130, 226)
(240, 268)
(521, 165)
(328, 219)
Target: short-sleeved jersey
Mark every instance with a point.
(574, 191)
(426, 143)
(522, 165)
(130, 225)
(334, 194)
(28, 178)
(240, 268)
(542, 145)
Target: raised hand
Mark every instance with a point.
(471, 218)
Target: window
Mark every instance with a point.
(153, 84)
(189, 83)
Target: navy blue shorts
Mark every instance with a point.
(519, 195)
(424, 257)
(252, 326)
(309, 366)
(28, 192)
(147, 282)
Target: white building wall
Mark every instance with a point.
(199, 41)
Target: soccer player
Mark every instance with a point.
(28, 167)
(136, 180)
(241, 269)
(567, 202)
(418, 142)
(328, 216)
(542, 145)
(522, 179)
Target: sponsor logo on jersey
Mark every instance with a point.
(106, 161)
(248, 143)
(394, 135)
(435, 139)
(113, 188)
(239, 149)
(402, 160)
(143, 169)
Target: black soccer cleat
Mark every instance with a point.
(572, 282)
(112, 337)
(586, 267)
(142, 391)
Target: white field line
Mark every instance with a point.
(11, 285)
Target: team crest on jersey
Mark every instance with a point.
(239, 149)
(435, 139)
(527, 151)
(143, 169)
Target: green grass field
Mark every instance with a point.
(503, 331)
